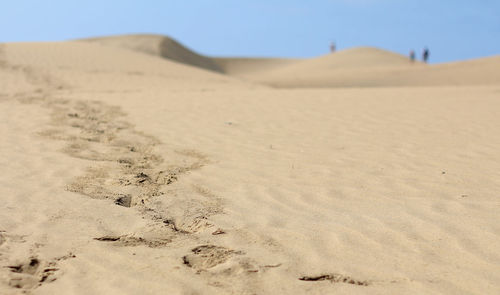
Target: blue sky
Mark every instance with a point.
(452, 29)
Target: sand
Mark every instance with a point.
(129, 172)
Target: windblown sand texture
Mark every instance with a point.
(132, 165)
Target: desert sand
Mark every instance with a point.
(133, 165)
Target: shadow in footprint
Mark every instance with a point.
(334, 278)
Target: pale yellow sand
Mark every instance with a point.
(229, 187)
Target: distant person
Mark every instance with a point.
(333, 47)
(425, 54)
(412, 55)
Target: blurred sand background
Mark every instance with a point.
(133, 165)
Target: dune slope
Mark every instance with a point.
(248, 67)
(158, 45)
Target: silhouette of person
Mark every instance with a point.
(333, 47)
(425, 54)
(412, 55)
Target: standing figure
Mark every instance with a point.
(425, 54)
(333, 47)
(412, 55)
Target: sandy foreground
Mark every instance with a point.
(127, 173)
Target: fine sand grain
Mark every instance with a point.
(133, 173)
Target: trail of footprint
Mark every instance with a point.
(130, 173)
(133, 175)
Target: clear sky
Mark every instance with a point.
(452, 29)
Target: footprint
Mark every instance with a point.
(32, 273)
(131, 241)
(207, 256)
(124, 201)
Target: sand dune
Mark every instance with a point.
(371, 67)
(158, 45)
(166, 47)
(129, 173)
